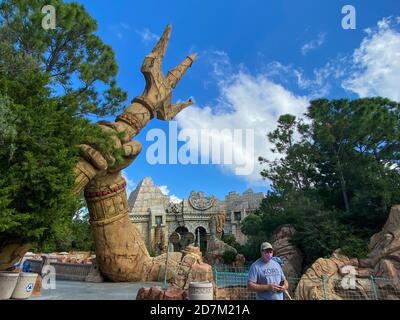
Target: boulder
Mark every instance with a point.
(94, 274)
(382, 263)
(239, 261)
(216, 249)
(190, 268)
(157, 293)
(234, 293)
(291, 255)
(173, 293)
(156, 269)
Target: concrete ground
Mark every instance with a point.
(76, 290)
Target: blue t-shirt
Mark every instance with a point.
(267, 273)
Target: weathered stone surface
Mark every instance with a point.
(199, 272)
(191, 213)
(364, 272)
(383, 261)
(215, 250)
(157, 293)
(191, 269)
(239, 261)
(142, 294)
(311, 286)
(11, 253)
(234, 293)
(194, 252)
(94, 273)
(290, 254)
(173, 293)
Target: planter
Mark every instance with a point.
(200, 291)
(8, 281)
(25, 285)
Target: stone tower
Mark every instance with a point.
(147, 203)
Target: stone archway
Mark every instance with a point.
(183, 231)
(201, 238)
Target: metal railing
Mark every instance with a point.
(231, 284)
(64, 271)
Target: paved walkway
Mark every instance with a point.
(76, 290)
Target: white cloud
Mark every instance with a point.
(317, 86)
(245, 101)
(147, 36)
(119, 29)
(164, 189)
(173, 198)
(81, 213)
(313, 44)
(125, 26)
(376, 63)
(256, 100)
(220, 62)
(130, 184)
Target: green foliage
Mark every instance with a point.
(251, 249)
(73, 58)
(251, 225)
(76, 236)
(152, 253)
(48, 81)
(335, 182)
(231, 240)
(228, 257)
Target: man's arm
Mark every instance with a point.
(285, 285)
(252, 286)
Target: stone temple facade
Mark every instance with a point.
(196, 218)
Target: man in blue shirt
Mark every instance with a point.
(266, 277)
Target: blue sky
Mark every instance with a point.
(257, 60)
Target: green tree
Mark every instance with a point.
(358, 154)
(231, 240)
(335, 178)
(49, 81)
(75, 236)
(80, 68)
(228, 257)
(293, 171)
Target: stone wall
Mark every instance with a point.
(147, 204)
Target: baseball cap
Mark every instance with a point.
(266, 245)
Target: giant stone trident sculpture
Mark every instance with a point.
(120, 250)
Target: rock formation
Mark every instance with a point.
(289, 253)
(220, 220)
(184, 267)
(346, 278)
(234, 293)
(215, 250)
(157, 293)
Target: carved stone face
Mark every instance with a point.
(199, 202)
